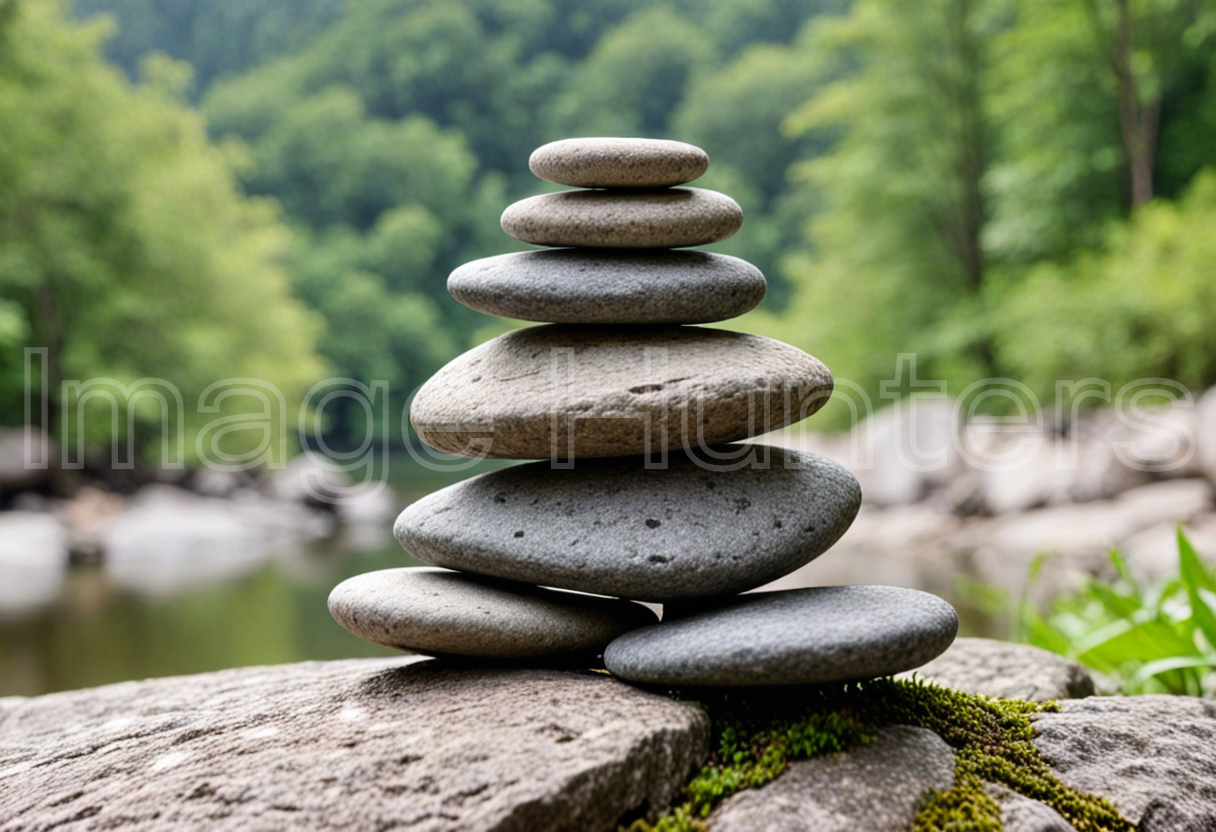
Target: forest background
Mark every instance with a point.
(196, 190)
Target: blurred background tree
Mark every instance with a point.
(1006, 187)
(127, 250)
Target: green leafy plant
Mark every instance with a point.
(1151, 637)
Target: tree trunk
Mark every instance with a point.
(1138, 124)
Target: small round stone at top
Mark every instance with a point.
(618, 162)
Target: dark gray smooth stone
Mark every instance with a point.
(614, 527)
(610, 286)
(790, 637)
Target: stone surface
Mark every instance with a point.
(618, 163)
(798, 636)
(353, 745)
(564, 391)
(669, 218)
(1151, 756)
(610, 286)
(617, 528)
(871, 788)
(1021, 814)
(439, 612)
(1008, 671)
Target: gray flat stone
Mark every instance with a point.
(790, 637)
(1021, 814)
(1004, 670)
(353, 745)
(610, 286)
(666, 218)
(616, 528)
(438, 612)
(618, 163)
(870, 788)
(566, 391)
(1153, 757)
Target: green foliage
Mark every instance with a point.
(1143, 307)
(126, 248)
(1157, 638)
(757, 733)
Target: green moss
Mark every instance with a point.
(757, 733)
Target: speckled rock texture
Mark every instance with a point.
(613, 527)
(1153, 757)
(618, 162)
(1021, 814)
(612, 286)
(352, 745)
(566, 391)
(648, 218)
(871, 788)
(1008, 671)
(439, 612)
(790, 637)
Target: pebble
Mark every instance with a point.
(618, 163)
(564, 392)
(614, 527)
(790, 637)
(667, 218)
(613, 286)
(438, 612)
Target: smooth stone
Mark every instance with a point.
(615, 527)
(618, 163)
(565, 391)
(437, 612)
(365, 744)
(668, 218)
(790, 637)
(612, 286)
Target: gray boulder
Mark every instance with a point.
(353, 745)
(1153, 757)
(1008, 671)
(872, 788)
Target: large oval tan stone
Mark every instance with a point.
(618, 163)
(666, 218)
(566, 391)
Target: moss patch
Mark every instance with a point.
(758, 732)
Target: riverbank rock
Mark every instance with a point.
(1151, 756)
(353, 745)
(878, 786)
(1004, 670)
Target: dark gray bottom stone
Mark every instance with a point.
(794, 637)
(444, 613)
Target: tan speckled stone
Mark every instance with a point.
(667, 218)
(567, 391)
(618, 163)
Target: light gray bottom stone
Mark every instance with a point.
(1153, 757)
(353, 745)
(440, 612)
(1004, 670)
(870, 788)
(797, 636)
(1021, 814)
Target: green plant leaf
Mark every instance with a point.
(1199, 583)
(1205, 662)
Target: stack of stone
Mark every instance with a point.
(639, 498)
